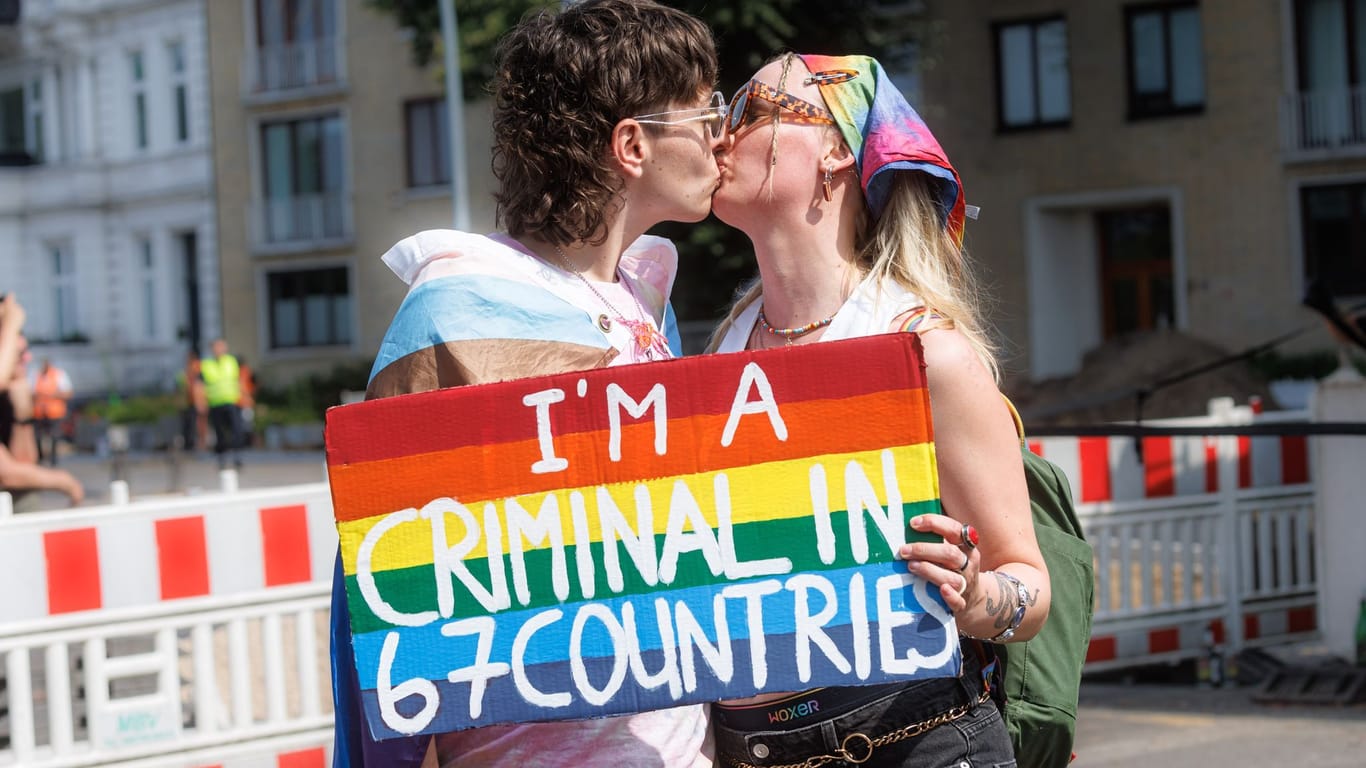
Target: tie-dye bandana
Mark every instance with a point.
(886, 134)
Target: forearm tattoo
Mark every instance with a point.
(1001, 607)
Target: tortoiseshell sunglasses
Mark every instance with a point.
(739, 103)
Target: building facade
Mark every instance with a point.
(1186, 164)
(107, 230)
(330, 146)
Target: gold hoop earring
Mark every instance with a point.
(825, 185)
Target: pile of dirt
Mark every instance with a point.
(1106, 387)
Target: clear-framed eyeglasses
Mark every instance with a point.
(714, 114)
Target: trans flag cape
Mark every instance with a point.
(479, 309)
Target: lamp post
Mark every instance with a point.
(455, 117)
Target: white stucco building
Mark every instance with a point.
(107, 224)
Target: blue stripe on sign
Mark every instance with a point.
(475, 307)
(503, 702)
(550, 643)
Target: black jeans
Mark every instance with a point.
(46, 432)
(976, 737)
(227, 432)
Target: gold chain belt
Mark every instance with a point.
(857, 748)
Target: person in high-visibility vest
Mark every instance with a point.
(223, 391)
(51, 390)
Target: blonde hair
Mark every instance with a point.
(909, 245)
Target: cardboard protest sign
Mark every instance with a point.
(639, 537)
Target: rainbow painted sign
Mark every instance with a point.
(640, 537)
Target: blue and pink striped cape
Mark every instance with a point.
(479, 309)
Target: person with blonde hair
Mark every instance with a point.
(605, 122)
(856, 217)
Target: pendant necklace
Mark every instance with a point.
(791, 334)
(649, 342)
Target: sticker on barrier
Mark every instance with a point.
(639, 537)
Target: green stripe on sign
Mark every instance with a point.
(413, 590)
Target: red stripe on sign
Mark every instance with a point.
(1294, 460)
(1159, 479)
(1252, 627)
(1164, 640)
(1101, 649)
(182, 557)
(284, 543)
(1036, 447)
(886, 362)
(1301, 619)
(1211, 465)
(1244, 461)
(1216, 628)
(304, 758)
(1095, 468)
(73, 570)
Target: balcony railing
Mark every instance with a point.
(290, 66)
(1325, 121)
(302, 220)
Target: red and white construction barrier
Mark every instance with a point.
(1108, 468)
(111, 558)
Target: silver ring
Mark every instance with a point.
(963, 590)
(966, 559)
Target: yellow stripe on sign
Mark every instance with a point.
(759, 492)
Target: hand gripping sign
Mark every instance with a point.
(637, 538)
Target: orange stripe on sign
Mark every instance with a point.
(1095, 468)
(1294, 460)
(304, 758)
(1101, 649)
(1164, 640)
(182, 557)
(1036, 447)
(499, 471)
(1159, 480)
(284, 541)
(73, 570)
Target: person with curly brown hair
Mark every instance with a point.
(605, 123)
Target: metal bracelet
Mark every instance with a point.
(1022, 594)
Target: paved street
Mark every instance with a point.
(1171, 725)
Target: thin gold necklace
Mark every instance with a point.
(649, 342)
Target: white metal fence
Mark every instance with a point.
(193, 631)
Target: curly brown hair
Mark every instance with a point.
(563, 82)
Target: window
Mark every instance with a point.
(1135, 269)
(175, 57)
(13, 144)
(295, 43)
(138, 78)
(147, 269)
(1335, 237)
(309, 308)
(1166, 65)
(429, 157)
(1330, 46)
(303, 175)
(1034, 86)
(62, 269)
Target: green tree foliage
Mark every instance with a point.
(715, 259)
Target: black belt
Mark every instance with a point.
(799, 709)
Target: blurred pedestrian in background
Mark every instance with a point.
(51, 391)
(223, 391)
(194, 413)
